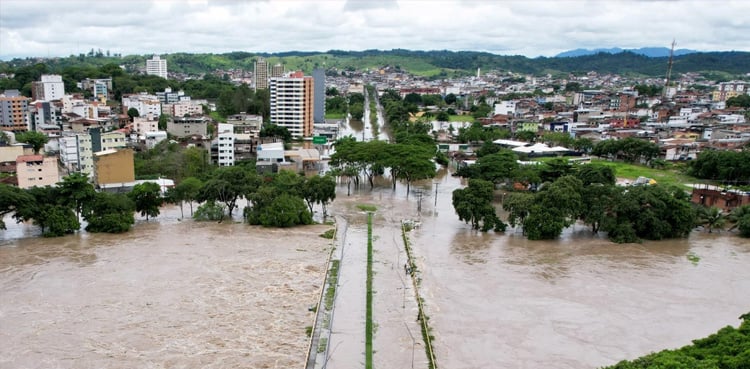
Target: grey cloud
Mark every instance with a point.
(357, 5)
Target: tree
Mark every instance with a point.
(37, 140)
(742, 101)
(517, 204)
(443, 116)
(53, 219)
(187, 190)
(651, 212)
(227, 185)
(711, 218)
(596, 173)
(498, 167)
(285, 211)
(572, 87)
(11, 199)
(597, 203)
(450, 99)
(133, 113)
(147, 199)
(555, 207)
(76, 192)
(738, 214)
(319, 190)
(410, 163)
(211, 210)
(276, 131)
(163, 119)
(110, 213)
(473, 205)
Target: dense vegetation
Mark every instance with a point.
(438, 63)
(57, 210)
(729, 348)
(556, 194)
(722, 165)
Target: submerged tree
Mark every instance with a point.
(147, 199)
(473, 205)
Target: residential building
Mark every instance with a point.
(36, 171)
(76, 152)
(156, 66)
(114, 166)
(730, 89)
(183, 108)
(101, 141)
(319, 95)
(170, 97)
(277, 70)
(44, 113)
(224, 145)
(14, 112)
(261, 74)
(49, 87)
(507, 107)
(153, 138)
(143, 102)
(292, 103)
(188, 126)
(143, 124)
(246, 123)
(270, 157)
(100, 88)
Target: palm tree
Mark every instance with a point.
(737, 214)
(712, 218)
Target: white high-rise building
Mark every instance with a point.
(157, 66)
(292, 103)
(50, 87)
(225, 145)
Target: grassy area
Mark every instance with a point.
(367, 207)
(460, 118)
(368, 314)
(671, 175)
(217, 117)
(668, 176)
(329, 234)
(335, 115)
(333, 277)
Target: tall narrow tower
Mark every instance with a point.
(669, 70)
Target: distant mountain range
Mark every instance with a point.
(651, 52)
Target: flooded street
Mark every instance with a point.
(580, 302)
(165, 295)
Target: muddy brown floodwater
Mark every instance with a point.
(501, 301)
(173, 294)
(167, 294)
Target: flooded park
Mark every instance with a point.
(179, 294)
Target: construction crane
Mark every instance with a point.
(669, 70)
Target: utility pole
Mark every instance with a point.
(436, 192)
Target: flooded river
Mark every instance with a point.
(175, 294)
(168, 294)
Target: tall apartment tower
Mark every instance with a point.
(157, 66)
(292, 103)
(261, 74)
(319, 102)
(277, 70)
(14, 112)
(50, 87)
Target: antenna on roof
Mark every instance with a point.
(669, 69)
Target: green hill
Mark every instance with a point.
(436, 64)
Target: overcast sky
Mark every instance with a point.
(507, 27)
